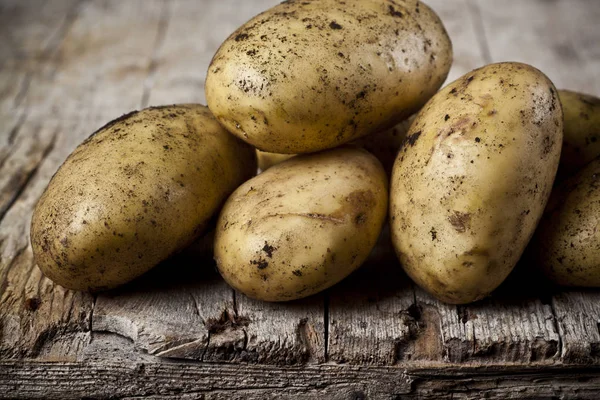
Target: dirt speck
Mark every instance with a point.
(460, 221)
(269, 249)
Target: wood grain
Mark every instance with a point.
(38, 380)
(578, 320)
(193, 34)
(558, 37)
(68, 66)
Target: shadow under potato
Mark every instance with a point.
(381, 276)
(191, 268)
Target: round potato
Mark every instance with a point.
(136, 191)
(311, 75)
(567, 242)
(303, 225)
(266, 160)
(581, 142)
(384, 145)
(472, 179)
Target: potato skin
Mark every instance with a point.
(302, 225)
(310, 75)
(581, 142)
(473, 178)
(566, 245)
(136, 191)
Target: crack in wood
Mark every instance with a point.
(404, 347)
(24, 181)
(205, 347)
(197, 308)
(54, 45)
(169, 349)
(91, 317)
(161, 33)
(234, 302)
(6, 270)
(13, 134)
(237, 317)
(116, 333)
(559, 347)
(49, 52)
(23, 89)
(326, 325)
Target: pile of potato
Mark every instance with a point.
(466, 179)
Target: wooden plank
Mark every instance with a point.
(462, 24)
(116, 56)
(372, 315)
(31, 32)
(581, 24)
(173, 380)
(558, 37)
(33, 29)
(181, 309)
(283, 333)
(508, 327)
(191, 40)
(578, 317)
(101, 65)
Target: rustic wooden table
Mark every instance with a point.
(69, 66)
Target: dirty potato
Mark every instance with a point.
(311, 75)
(473, 178)
(266, 160)
(581, 142)
(384, 145)
(136, 191)
(303, 225)
(566, 245)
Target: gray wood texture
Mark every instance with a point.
(69, 66)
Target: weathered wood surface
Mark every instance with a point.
(68, 66)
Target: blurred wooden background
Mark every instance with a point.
(69, 66)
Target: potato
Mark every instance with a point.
(384, 145)
(581, 142)
(266, 160)
(311, 75)
(303, 225)
(136, 191)
(473, 178)
(566, 246)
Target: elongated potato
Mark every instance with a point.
(581, 131)
(473, 178)
(309, 75)
(566, 245)
(302, 225)
(136, 191)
